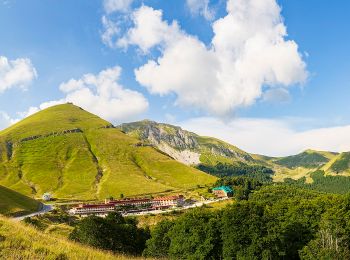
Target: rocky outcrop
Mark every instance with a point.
(183, 146)
(175, 137)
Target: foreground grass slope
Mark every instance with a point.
(77, 155)
(18, 241)
(13, 203)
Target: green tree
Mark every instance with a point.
(159, 243)
(113, 233)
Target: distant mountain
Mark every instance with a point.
(192, 149)
(185, 146)
(339, 164)
(307, 159)
(14, 204)
(76, 155)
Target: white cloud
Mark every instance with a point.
(201, 7)
(112, 6)
(16, 73)
(102, 95)
(274, 137)
(149, 30)
(248, 52)
(110, 32)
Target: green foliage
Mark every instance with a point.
(276, 222)
(333, 237)
(328, 183)
(194, 235)
(242, 186)
(259, 172)
(159, 243)
(111, 233)
(342, 163)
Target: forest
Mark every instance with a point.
(266, 221)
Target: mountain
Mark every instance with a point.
(307, 159)
(74, 154)
(339, 165)
(208, 152)
(14, 204)
(185, 146)
(18, 241)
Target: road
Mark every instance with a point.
(44, 209)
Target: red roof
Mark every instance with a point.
(129, 201)
(176, 197)
(96, 206)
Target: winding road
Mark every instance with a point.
(45, 208)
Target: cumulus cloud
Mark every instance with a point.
(248, 54)
(102, 95)
(110, 32)
(200, 7)
(112, 6)
(273, 137)
(16, 73)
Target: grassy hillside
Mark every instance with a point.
(308, 159)
(339, 164)
(14, 204)
(76, 155)
(18, 241)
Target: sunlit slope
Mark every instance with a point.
(77, 155)
(18, 241)
(14, 204)
(340, 164)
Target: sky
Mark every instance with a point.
(270, 76)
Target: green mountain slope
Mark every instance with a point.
(340, 164)
(307, 159)
(14, 204)
(207, 152)
(185, 146)
(77, 155)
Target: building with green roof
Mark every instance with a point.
(223, 191)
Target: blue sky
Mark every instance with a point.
(60, 40)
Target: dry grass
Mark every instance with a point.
(18, 241)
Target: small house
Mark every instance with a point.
(46, 197)
(223, 191)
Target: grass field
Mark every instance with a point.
(75, 155)
(15, 204)
(18, 241)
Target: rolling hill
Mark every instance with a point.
(74, 154)
(13, 203)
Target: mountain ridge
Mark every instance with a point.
(74, 154)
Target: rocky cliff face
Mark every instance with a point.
(183, 145)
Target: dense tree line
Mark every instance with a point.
(242, 186)
(113, 233)
(276, 222)
(258, 172)
(331, 184)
